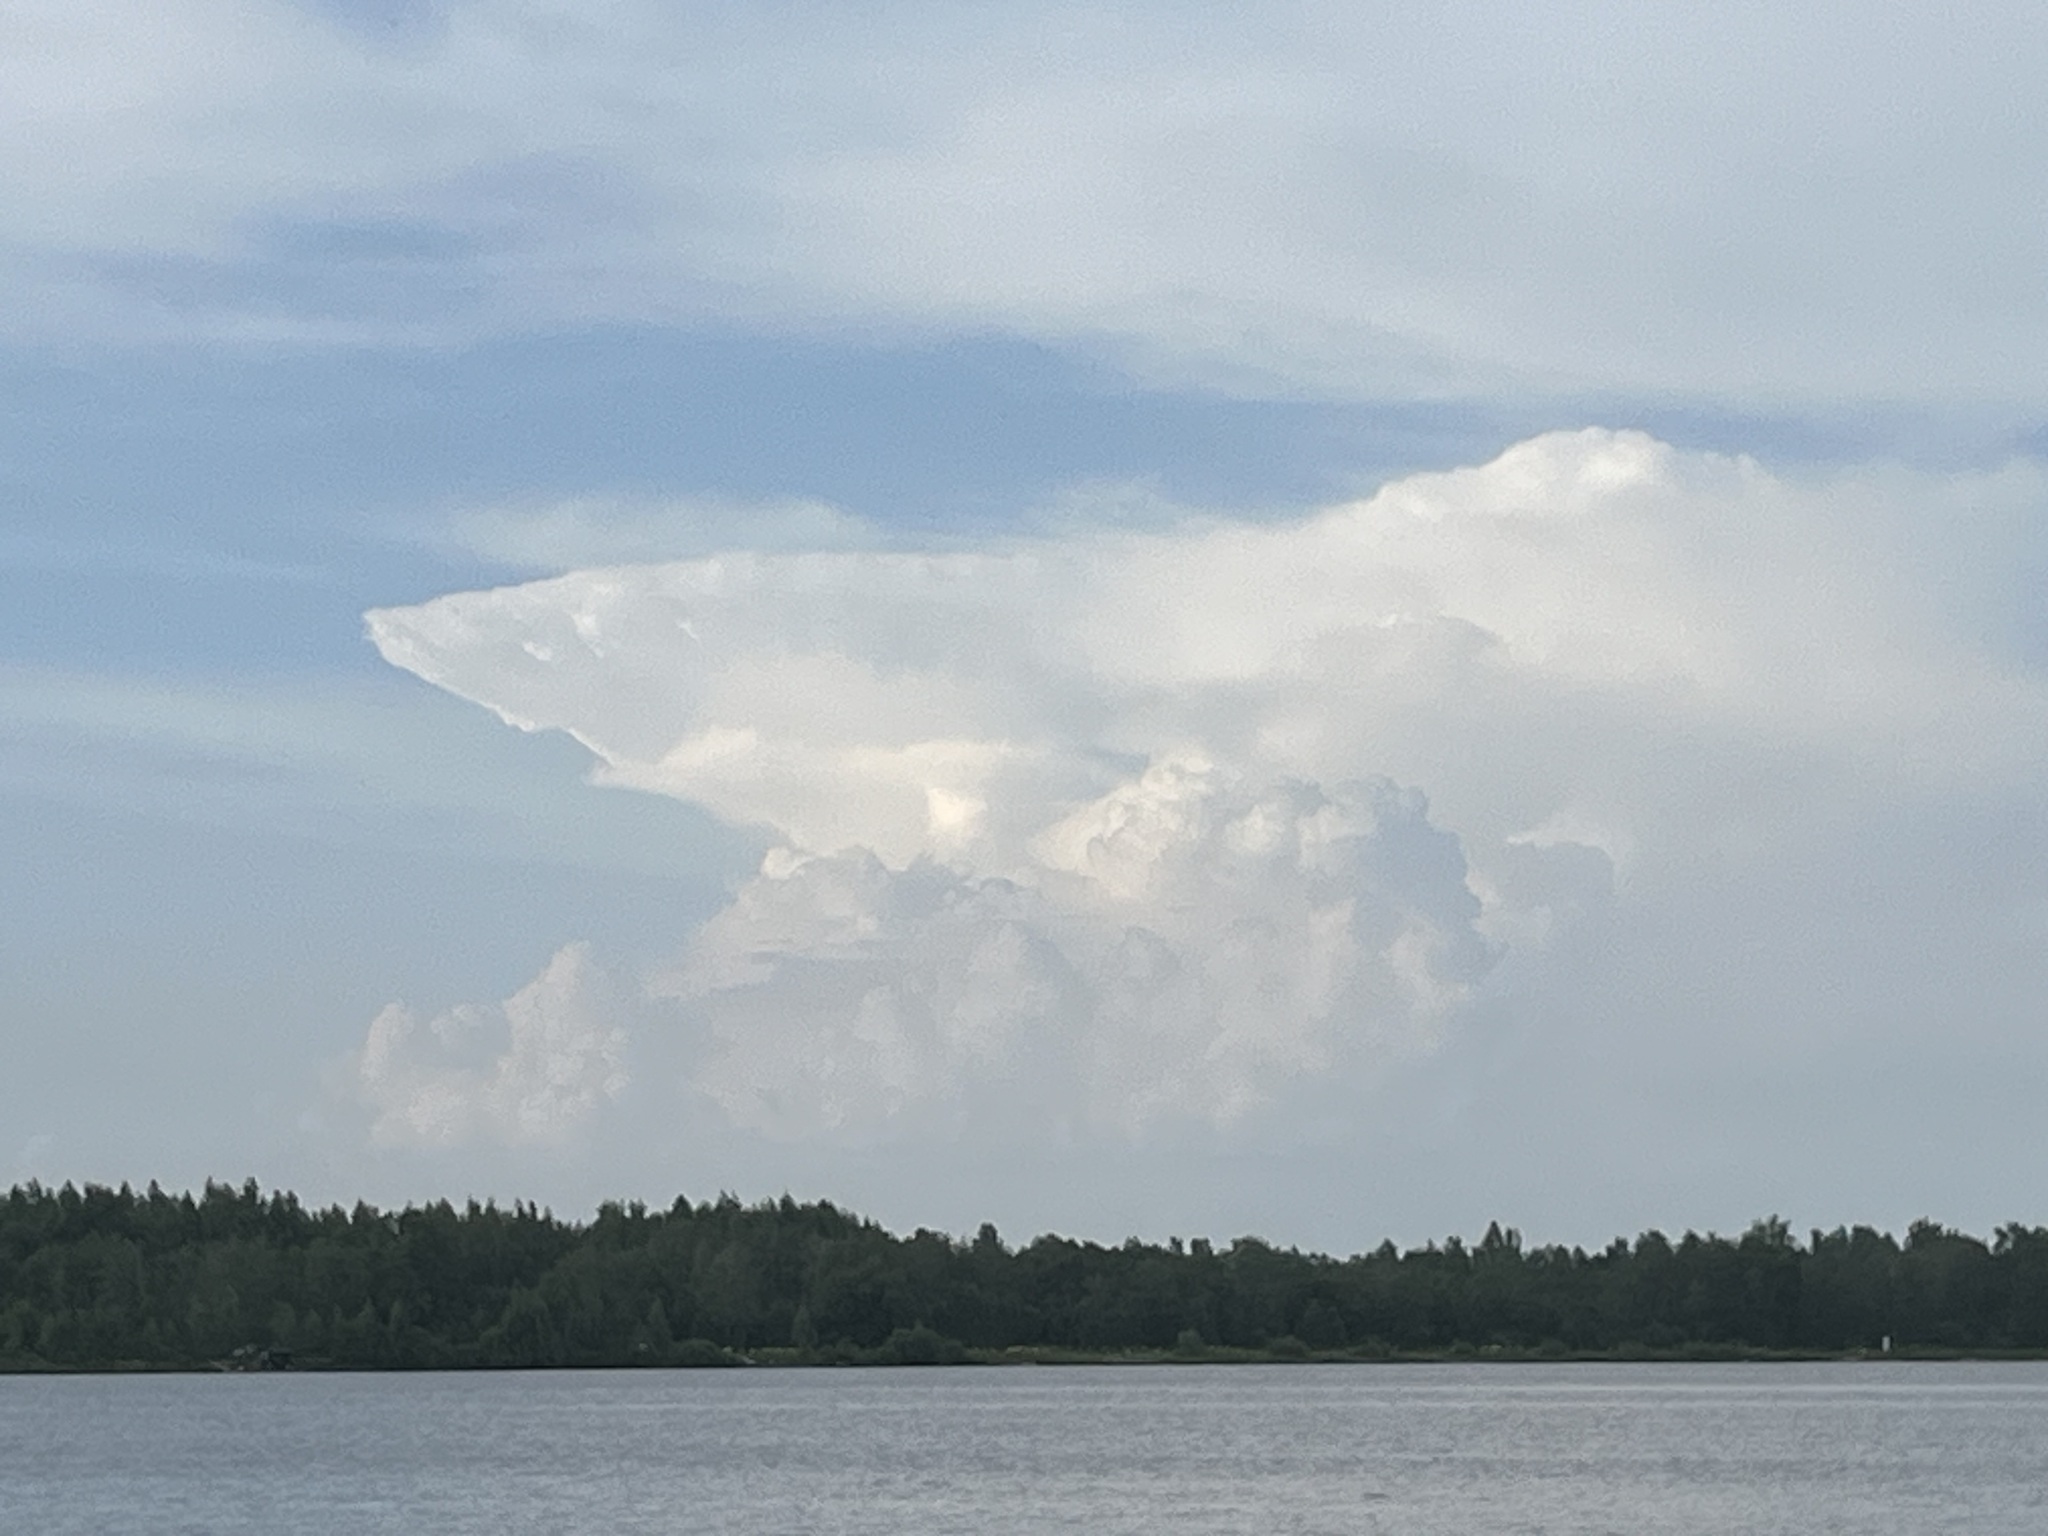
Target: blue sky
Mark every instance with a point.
(1663, 795)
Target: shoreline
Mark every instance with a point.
(1024, 1356)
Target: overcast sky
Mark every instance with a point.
(1331, 620)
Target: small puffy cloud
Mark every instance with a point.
(1112, 830)
(529, 1070)
(33, 1158)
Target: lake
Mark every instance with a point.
(1703, 1450)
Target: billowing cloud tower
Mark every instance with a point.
(1115, 829)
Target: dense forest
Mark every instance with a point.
(106, 1278)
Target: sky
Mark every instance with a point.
(1336, 621)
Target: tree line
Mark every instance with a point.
(96, 1277)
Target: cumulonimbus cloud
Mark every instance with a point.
(1151, 825)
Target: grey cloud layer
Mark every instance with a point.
(1780, 203)
(1119, 830)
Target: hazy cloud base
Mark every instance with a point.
(1207, 830)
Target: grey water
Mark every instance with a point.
(1694, 1449)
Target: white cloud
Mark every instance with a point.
(1180, 948)
(1766, 203)
(1108, 829)
(1582, 586)
(529, 1070)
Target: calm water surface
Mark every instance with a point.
(1702, 1450)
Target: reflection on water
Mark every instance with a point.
(1415, 1450)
